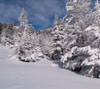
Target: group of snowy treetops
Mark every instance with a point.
(74, 41)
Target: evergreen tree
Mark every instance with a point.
(80, 37)
(57, 49)
(3, 36)
(23, 17)
(45, 41)
(97, 13)
(56, 22)
(23, 40)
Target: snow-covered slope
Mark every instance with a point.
(40, 75)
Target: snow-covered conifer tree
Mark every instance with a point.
(79, 40)
(3, 36)
(27, 46)
(57, 32)
(45, 41)
(56, 22)
(23, 17)
(97, 13)
(23, 39)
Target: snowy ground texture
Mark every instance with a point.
(40, 75)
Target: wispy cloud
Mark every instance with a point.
(9, 12)
(40, 12)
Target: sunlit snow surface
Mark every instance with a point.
(40, 75)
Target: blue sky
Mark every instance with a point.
(40, 12)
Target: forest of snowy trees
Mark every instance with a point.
(74, 40)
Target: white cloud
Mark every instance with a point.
(40, 12)
(9, 12)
